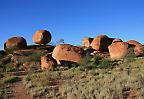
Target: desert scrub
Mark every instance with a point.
(42, 84)
(9, 67)
(124, 81)
(31, 57)
(10, 79)
(46, 84)
(90, 62)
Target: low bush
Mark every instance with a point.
(10, 79)
(10, 68)
(32, 57)
(90, 62)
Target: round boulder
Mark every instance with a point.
(87, 41)
(101, 43)
(67, 52)
(15, 43)
(42, 37)
(118, 50)
(139, 50)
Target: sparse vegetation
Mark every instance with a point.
(123, 81)
(31, 57)
(10, 79)
(90, 62)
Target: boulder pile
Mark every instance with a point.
(52, 56)
(116, 48)
(101, 43)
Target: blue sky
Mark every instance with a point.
(72, 20)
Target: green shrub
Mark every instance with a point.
(96, 60)
(11, 79)
(10, 50)
(32, 57)
(90, 62)
(131, 52)
(10, 68)
(86, 61)
(104, 63)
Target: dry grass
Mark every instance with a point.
(123, 81)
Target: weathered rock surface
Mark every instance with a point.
(67, 52)
(15, 43)
(138, 47)
(42, 37)
(133, 42)
(87, 41)
(48, 62)
(118, 50)
(116, 40)
(101, 43)
(139, 50)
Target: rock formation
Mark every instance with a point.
(101, 43)
(138, 47)
(116, 40)
(133, 42)
(118, 50)
(42, 37)
(15, 43)
(48, 62)
(87, 41)
(139, 50)
(67, 52)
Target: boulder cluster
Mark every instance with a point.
(53, 56)
(114, 46)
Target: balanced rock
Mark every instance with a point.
(116, 40)
(15, 43)
(87, 41)
(118, 50)
(67, 52)
(42, 37)
(139, 50)
(48, 62)
(101, 43)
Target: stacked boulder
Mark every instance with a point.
(42, 37)
(116, 48)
